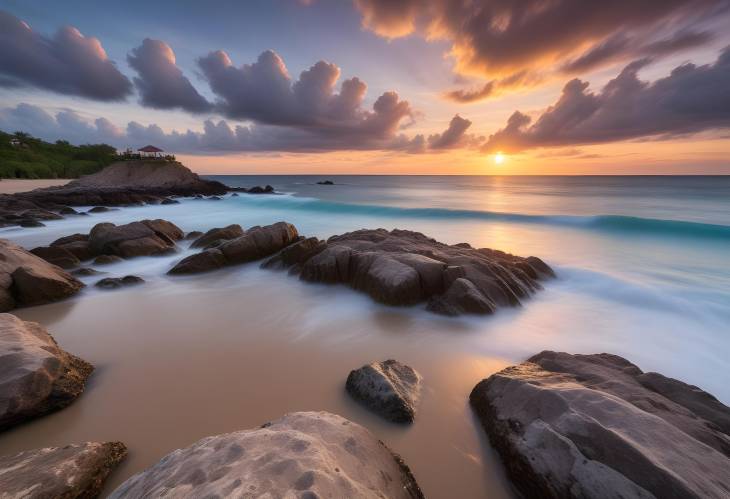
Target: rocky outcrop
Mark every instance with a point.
(389, 388)
(255, 243)
(26, 279)
(72, 472)
(36, 375)
(118, 282)
(596, 426)
(217, 235)
(108, 242)
(402, 267)
(304, 454)
(125, 183)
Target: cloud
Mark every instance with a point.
(68, 63)
(621, 46)
(220, 137)
(691, 99)
(161, 84)
(494, 88)
(453, 136)
(498, 39)
(265, 93)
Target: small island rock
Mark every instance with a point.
(390, 388)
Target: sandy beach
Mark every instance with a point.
(13, 185)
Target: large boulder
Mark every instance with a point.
(303, 454)
(57, 255)
(596, 426)
(26, 279)
(255, 243)
(217, 235)
(144, 238)
(390, 388)
(72, 472)
(402, 267)
(36, 375)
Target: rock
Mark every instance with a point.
(37, 376)
(145, 238)
(595, 426)
(118, 282)
(70, 472)
(295, 254)
(107, 259)
(217, 235)
(86, 271)
(255, 243)
(234, 195)
(260, 190)
(303, 454)
(170, 201)
(67, 210)
(73, 238)
(26, 279)
(57, 255)
(99, 209)
(214, 198)
(31, 223)
(204, 261)
(390, 388)
(325, 182)
(259, 242)
(462, 297)
(404, 268)
(193, 235)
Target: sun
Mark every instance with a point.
(499, 158)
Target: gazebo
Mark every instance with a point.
(150, 152)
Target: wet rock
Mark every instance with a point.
(214, 198)
(99, 209)
(36, 376)
(389, 388)
(210, 259)
(145, 238)
(31, 223)
(325, 182)
(26, 279)
(217, 235)
(260, 190)
(75, 471)
(85, 271)
(402, 267)
(118, 282)
(303, 454)
(462, 297)
(234, 195)
(73, 238)
(57, 255)
(595, 426)
(107, 259)
(193, 235)
(67, 210)
(254, 244)
(295, 254)
(170, 201)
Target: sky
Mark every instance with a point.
(378, 86)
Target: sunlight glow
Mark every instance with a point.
(499, 158)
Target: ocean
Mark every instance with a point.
(643, 271)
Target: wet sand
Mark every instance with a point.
(13, 185)
(233, 349)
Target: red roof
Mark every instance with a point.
(150, 149)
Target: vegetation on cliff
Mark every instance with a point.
(24, 156)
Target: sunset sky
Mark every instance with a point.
(379, 86)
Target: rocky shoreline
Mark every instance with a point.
(582, 426)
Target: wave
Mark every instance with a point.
(606, 223)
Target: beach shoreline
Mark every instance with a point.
(15, 185)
